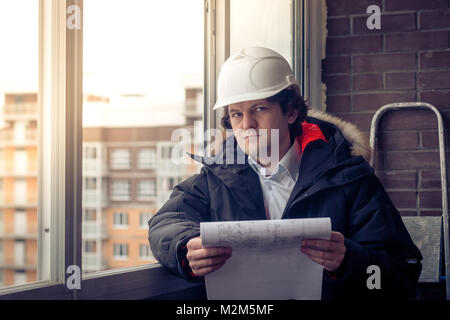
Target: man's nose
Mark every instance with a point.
(248, 122)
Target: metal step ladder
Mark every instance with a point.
(428, 233)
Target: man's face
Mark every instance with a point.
(252, 122)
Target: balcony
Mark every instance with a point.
(94, 199)
(20, 111)
(93, 262)
(94, 168)
(93, 230)
(7, 138)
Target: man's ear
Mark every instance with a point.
(292, 116)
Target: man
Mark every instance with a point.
(319, 171)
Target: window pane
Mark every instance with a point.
(19, 25)
(247, 30)
(143, 79)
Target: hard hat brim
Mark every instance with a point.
(251, 96)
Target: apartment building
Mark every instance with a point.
(127, 175)
(18, 189)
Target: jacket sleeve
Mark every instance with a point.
(178, 221)
(376, 236)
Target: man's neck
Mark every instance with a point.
(269, 163)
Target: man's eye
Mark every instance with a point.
(260, 108)
(234, 115)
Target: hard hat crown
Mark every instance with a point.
(251, 74)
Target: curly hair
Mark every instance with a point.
(289, 99)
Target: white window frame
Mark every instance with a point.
(60, 149)
(120, 220)
(145, 162)
(115, 187)
(121, 164)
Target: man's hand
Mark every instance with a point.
(205, 260)
(328, 253)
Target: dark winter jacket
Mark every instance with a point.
(334, 180)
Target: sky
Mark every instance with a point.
(135, 46)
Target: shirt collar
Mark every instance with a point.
(290, 162)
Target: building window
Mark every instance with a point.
(146, 159)
(120, 220)
(120, 159)
(121, 190)
(90, 153)
(90, 183)
(120, 251)
(146, 189)
(20, 277)
(144, 217)
(90, 246)
(144, 252)
(166, 152)
(89, 215)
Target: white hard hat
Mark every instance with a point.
(253, 73)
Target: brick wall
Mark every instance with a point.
(407, 60)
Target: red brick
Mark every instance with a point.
(435, 19)
(389, 23)
(408, 213)
(385, 62)
(434, 80)
(399, 5)
(366, 102)
(403, 80)
(336, 104)
(430, 179)
(398, 179)
(372, 81)
(346, 45)
(360, 120)
(347, 7)
(430, 212)
(440, 99)
(337, 83)
(398, 140)
(339, 64)
(435, 59)
(417, 40)
(430, 199)
(338, 26)
(430, 139)
(408, 120)
(406, 160)
(404, 199)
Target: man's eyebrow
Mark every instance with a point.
(256, 104)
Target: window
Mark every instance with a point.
(146, 159)
(246, 28)
(144, 252)
(121, 190)
(120, 159)
(120, 251)
(20, 161)
(144, 217)
(89, 215)
(120, 220)
(90, 246)
(90, 153)
(166, 152)
(20, 222)
(146, 189)
(90, 183)
(133, 97)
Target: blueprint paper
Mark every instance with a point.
(266, 261)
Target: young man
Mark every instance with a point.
(319, 171)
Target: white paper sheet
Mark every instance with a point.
(266, 261)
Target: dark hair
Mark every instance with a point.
(289, 98)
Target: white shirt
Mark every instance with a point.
(278, 186)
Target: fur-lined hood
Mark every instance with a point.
(360, 144)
